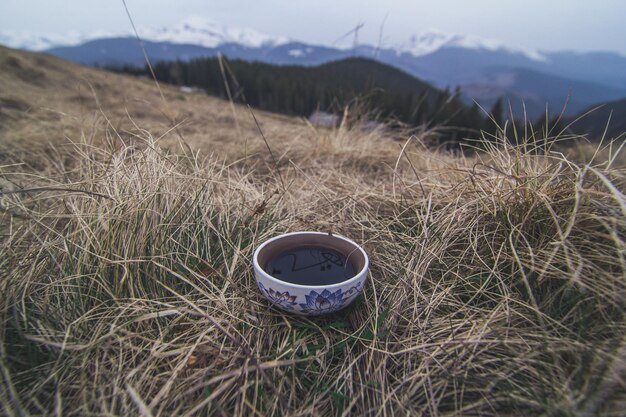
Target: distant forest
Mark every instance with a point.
(384, 93)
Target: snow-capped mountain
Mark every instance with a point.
(194, 30)
(41, 42)
(432, 41)
(201, 31)
(205, 32)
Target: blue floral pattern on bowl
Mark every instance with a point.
(353, 291)
(317, 303)
(323, 302)
(283, 299)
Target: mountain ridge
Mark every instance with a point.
(440, 59)
(199, 30)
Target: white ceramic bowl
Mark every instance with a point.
(310, 300)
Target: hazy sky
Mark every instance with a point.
(543, 24)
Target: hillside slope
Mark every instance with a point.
(127, 51)
(300, 90)
(607, 119)
(380, 92)
(44, 99)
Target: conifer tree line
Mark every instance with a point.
(388, 94)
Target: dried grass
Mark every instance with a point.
(497, 282)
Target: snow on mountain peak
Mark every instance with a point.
(195, 30)
(40, 42)
(202, 31)
(429, 42)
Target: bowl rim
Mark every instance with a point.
(355, 278)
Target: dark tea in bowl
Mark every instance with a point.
(310, 273)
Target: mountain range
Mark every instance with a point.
(483, 70)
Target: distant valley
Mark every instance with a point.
(531, 92)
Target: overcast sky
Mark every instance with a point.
(581, 25)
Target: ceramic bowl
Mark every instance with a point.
(310, 300)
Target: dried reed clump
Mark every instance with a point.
(497, 285)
